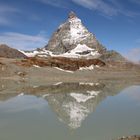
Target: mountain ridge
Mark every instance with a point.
(8, 52)
(69, 36)
(71, 47)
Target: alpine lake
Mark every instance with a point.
(102, 110)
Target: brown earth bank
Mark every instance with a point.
(40, 70)
(74, 64)
(61, 62)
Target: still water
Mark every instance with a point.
(70, 111)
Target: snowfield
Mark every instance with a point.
(81, 51)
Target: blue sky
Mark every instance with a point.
(28, 24)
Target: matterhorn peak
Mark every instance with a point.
(72, 18)
(73, 40)
(72, 15)
(72, 34)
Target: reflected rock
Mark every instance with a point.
(74, 105)
(72, 102)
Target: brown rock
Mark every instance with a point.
(61, 62)
(7, 52)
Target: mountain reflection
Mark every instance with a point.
(72, 102)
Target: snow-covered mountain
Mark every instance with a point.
(73, 40)
(73, 102)
(70, 34)
(72, 107)
(80, 51)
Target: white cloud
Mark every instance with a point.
(98, 5)
(135, 1)
(108, 8)
(23, 41)
(5, 13)
(56, 3)
(138, 41)
(6, 8)
(133, 55)
(4, 21)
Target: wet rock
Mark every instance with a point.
(134, 137)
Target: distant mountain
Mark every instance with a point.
(73, 40)
(71, 47)
(112, 56)
(7, 52)
(70, 34)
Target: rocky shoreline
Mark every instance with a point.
(37, 71)
(12, 70)
(28, 69)
(134, 137)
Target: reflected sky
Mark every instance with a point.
(75, 111)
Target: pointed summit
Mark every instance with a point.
(71, 34)
(72, 15)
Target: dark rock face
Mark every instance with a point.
(7, 52)
(70, 34)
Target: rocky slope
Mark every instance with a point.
(7, 52)
(73, 40)
(70, 34)
(112, 56)
(71, 47)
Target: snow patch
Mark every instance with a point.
(30, 53)
(41, 53)
(93, 93)
(90, 84)
(36, 66)
(63, 70)
(77, 114)
(45, 95)
(81, 48)
(80, 51)
(77, 30)
(86, 83)
(59, 83)
(81, 97)
(21, 94)
(87, 68)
